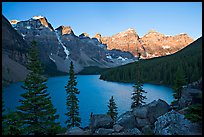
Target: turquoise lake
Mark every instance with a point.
(94, 95)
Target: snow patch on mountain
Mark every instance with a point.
(121, 58)
(37, 17)
(51, 58)
(65, 49)
(109, 57)
(28, 27)
(166, 47)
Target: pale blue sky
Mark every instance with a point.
(109, 18)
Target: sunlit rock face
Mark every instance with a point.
(152, 44)
(58, 47)
(65, 30)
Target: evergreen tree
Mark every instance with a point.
(194, 113)
(112, 109)
(72, 100)
(137, 95)
(12, 124)
(36, 110)
(178, 84)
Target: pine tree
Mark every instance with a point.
(112, 109)
(72, 100)
(137, 95)
(178, 84)
(12, 124)
(36, 110)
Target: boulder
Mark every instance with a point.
(156, 109)
(141, 111)
(126, 120)
(142, 122)
(147, 114)
(147, 130)
(174, 123)
(189, 96)
(75, 131)
(100, 121)
(117, 128)
(133, 131)
(104, 131)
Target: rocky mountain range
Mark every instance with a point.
(58, 47)
(152, 44)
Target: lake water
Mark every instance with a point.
(94, 95)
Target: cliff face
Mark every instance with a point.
(125, 41)
(157, 44)
(58, 47)
(14, 54)
(153, 44)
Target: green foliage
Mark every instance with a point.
(112, 111)
(37, 111)
(12, 124)
(72, 100)
(178, 84)
(161, 70)
(194, 113)
(137, 95)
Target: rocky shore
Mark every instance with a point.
(155, 118)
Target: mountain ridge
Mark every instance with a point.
(161, 70)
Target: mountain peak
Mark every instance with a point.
(131, 29)
(14, 22)
(37, 17)
(65, 30)
(43, 21)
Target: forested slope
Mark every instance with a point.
(161, 70)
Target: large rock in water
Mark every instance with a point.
(174, 123)
(150, 111)
(100, 121)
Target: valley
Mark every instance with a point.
(101, 68)
(58, 47)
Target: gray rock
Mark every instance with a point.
(75, 131)
(118, 133)
(133, 131)
(147, 114)
(126, 120)
(141, 111)
(101, 121)
(156, 109)
(104, 131)
(188, 97)
(142, 122)
(173, 123)
(117, 128)
(147, 130)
